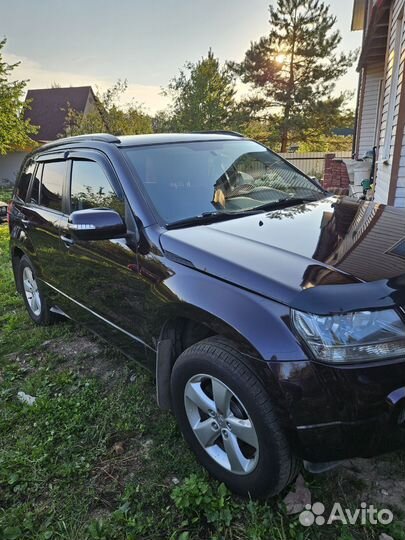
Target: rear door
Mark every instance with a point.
(41, 215)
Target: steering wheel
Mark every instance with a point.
(243, 189)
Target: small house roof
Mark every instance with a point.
(49, 106)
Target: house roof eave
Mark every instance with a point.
(358, 16)
(376, 34)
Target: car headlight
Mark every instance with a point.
(359, 336)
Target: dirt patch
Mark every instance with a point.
(68, 349)
(381, 480)
(88, 358)
(99, 514)
(81, 355)
(23, 361)
(119, 468)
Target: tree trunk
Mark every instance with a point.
(291, 81)
(284, 129)
(284, 140)
(288, 105)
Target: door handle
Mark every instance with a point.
(25, 223)
(67, 241)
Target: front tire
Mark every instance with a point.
(34, 299)
(228, 420)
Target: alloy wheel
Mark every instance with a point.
(221, 424)
(31, 291)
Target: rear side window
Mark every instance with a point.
(24, 180)
(91, 188)
(53, 178)
(36, 182)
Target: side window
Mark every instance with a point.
(24, 180)
(36, 182)
(91, 188)
(53, 178)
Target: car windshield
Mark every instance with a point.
(190, 179)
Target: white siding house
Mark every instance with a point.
(380, 121)
(372, 81)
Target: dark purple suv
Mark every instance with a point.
(271, 312)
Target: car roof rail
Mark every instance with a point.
(221, 132)
(97, 137)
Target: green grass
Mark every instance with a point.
(94, 458)
(5, 194)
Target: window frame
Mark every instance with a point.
(40, 160)
(102, 161)
(28, 200)
(27, 163)
(63, 201)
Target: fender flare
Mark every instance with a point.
(259, 326)
(248, 317)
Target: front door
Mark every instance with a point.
(101, 277)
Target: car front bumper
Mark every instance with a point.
(364, 438)
(342, 412)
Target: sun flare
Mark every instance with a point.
(281, 58)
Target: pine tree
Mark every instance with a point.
(294, 68)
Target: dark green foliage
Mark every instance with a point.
(294, 69)
(203, 97)
(109, 116)
(14, 130)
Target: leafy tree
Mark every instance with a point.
(14, 130)
(319, 134)
(109, 116)
(294, 69)
(203, 97)
(328, 143)
(249, 120)
(163, 122)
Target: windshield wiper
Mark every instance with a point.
(217, 215)
(284, 203)
(210, 217)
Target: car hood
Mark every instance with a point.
(326, 256)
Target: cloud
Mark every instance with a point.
(40, 77)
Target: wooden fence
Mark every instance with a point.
(312, 163)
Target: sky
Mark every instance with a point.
(96, 42)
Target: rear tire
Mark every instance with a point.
(32, 293)
(227, 418)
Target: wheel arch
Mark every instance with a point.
(178, 333)
(16, 254)
(20, 245)
(186, 324)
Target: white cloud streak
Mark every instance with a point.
(40, 77)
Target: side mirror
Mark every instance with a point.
(96, 224)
